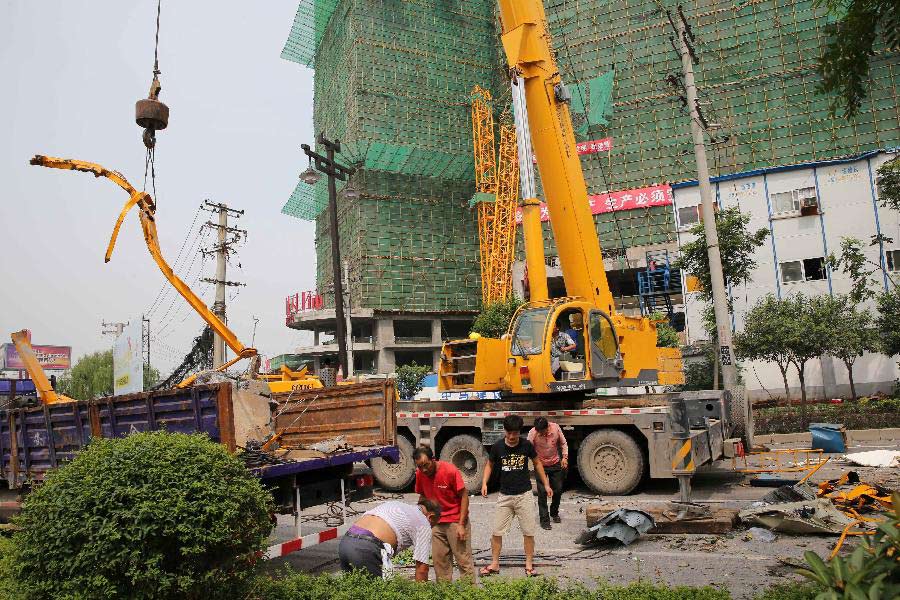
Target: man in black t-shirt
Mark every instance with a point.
(510, 456)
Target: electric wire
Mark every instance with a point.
(166, 287)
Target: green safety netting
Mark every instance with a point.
(306, 33)
(592, 102)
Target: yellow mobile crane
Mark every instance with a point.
(22, 341)
(617, 350)
(283, 382)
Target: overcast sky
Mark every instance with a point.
(71, 72)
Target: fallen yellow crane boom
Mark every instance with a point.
(148, 224)
(35, 372)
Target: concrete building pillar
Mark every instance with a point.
(315, 336)
(829, 378)
(435, 331)
(384, 361)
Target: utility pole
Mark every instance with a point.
(145, 333)
(113, 328)
(221, 250)
(345, 275)
(684, 47)
(334, 170)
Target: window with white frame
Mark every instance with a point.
(892, 258)
(802, 201)
(808, 269)
(688, 216)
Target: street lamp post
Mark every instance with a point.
(333, 170)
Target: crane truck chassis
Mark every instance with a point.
(615, 441)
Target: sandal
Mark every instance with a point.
(487, 571)
(531, 572)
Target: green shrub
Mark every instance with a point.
(409, 380)
(791, 591)
(152, 515)
(871, 571)
(494, 319)
(298, 586)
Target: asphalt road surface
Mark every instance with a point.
(744, 566)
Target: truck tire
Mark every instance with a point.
(399, 476)
(611, 462)
(741, 416)
(467, 454)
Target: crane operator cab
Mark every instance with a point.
(562, 345)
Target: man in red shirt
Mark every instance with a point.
(452, 537)
(553, 452)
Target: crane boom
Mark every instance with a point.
(148, 225)
(45, 391)
(526, 41)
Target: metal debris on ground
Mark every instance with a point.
(758, 533)
(624, 525)
(875, 458)
(331, 445)
(790, 493)
(818, 516)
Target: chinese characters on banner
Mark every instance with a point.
(590, 147)
(656, 195)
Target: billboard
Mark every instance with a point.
(128, 364)
(50, 357)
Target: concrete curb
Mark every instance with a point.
(854, 435)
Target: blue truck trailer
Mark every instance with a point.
(300, 471)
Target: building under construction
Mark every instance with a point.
(393, 81)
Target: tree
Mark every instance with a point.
(852, 39)
(889, 184)
(92, 377)
(495, 318)
(409, 380)
(854, 334)
(812, 336)
(666, 335)
(766, 327)
(737, 246)
(888, 322)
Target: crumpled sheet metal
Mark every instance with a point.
(818, 516)
(624, 525)
(331, 445)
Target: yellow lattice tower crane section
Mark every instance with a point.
(485, 182)
(504, 225)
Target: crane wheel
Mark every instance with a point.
(468, 455)
(611, 462)
(396, 477)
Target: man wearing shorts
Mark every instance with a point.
(510, 457)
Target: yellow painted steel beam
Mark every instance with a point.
(35, 371)
(147, 210)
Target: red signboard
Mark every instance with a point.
(591, 147)
(656, 195)
(50, 357)
(300, 302)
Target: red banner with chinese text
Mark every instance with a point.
(647, 197)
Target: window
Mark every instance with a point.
(893, 259)
(688, 216)
(803, 201)
(808, 269)
(528, 336)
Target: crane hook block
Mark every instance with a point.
(150, 113)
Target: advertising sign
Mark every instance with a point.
(50, 357)
(656, 195)
(128, 364)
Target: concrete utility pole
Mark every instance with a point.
(221, 249)
(114, 329)
(334, 171)
(349, 327)
(720, 298)
(145, 332)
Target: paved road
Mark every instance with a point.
(744, 566)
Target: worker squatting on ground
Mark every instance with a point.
(553, 453)
(511, 455)
(387, 529)
(451, 538)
